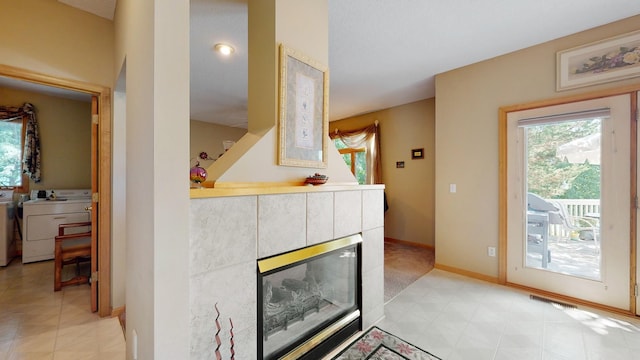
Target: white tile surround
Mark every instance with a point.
(229, 233)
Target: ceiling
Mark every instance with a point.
(382, 53)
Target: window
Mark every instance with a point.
(355, 159)
(361, 151)
(11, 135)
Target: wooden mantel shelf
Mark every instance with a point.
(268, 189)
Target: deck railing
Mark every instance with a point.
(575, 208)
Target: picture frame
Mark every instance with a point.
(607, 60)
(417, 154)
(303, 113)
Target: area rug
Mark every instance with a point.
(404, 264)
(377, 344)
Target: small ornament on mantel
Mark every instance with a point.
(197, 175)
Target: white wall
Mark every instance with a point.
(153, 37)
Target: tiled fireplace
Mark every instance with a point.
(229, 233)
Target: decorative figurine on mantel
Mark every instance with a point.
(197, 175)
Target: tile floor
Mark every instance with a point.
(38, 323)
(455, 317)
(451, 316)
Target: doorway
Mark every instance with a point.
(101, 158)
(567, 200)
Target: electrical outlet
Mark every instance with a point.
(491, 251)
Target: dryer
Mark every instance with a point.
(7, 238)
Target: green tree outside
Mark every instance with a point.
(10, 153)
(555, 178)
(361, 161)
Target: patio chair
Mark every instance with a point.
(588, 228)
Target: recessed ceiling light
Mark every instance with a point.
(224, 49)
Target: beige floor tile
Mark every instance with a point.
(42, 318)
(80, 338)
(111, 344)
(118, 355)
(43, 342)
(38, 323)
(31, 356)
(30, 329)
(110, 335)
(76, 355)
(73, 317)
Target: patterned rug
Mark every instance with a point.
(377, 344)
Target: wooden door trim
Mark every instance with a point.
(104, 164)
(503, 111)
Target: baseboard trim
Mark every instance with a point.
(117, 311)
(551, 295)
(121, 314)
(571, 300)
(410, 243)
(467, 273)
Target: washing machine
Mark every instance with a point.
(7, 238)
(44, 212)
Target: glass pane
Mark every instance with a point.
(10, 153)
(300, 300)
(361, 167)
(563, 197)
(360, 160)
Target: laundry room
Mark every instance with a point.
(64, 138)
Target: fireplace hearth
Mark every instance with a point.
(309, 299)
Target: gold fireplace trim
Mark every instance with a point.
(306, 253)
(320, 337)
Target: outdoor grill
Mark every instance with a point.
(540, 213)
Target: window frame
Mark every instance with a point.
(353, 153)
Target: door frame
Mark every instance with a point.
(631, 90)
(104, 168)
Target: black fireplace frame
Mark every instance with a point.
(350, 319)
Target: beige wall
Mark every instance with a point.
(52, 38)
(410, 190)
(64, 127)
(255, 157)
(467, 103)
(208, 137)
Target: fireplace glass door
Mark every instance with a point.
(302, 299)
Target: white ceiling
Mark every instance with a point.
(382, 53)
